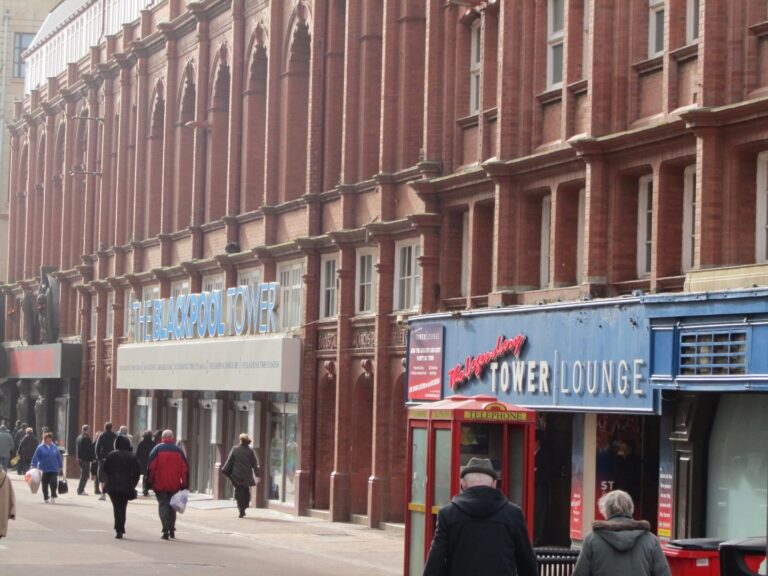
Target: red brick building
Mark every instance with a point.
(374, 159)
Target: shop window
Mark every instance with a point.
(289, 275)
(555, 26)
(644, 226)
(408, 275)
(713, 353)
(692, 21)
(689, 218)
(655, 28)
(475, 67)
(761, 248)
(365, 287)
(546, 228)
(328, 283)
(737, 467)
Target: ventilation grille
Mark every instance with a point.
(713, 353)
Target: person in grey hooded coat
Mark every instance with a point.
(620, 544)
(242, 469)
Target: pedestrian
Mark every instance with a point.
(619, 544)
(123, 431)
(18, 435)
(168, 473)
(86, 454)
(105, 443)
(48, 459)
(480, 531)
(27, 447)
(142, 452)
(7, 502)
(122, 470)
(16, 428)
(242, 469)
(6, 448)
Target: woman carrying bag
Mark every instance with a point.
(48, 460)
(242, 469)
(122, 471)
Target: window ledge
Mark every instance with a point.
(650, 65)
(579, 87)
(550, 96)
(469, 121)
(688, 52)
(760, 30)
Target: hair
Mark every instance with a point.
(108, 426)
(29, 431)
(477, 479)
(616, 503)
(47, 435)
(245, 439)
(168, 434)
(85, 427)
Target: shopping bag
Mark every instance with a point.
(63, 488)
(33, 477)
(179, 501)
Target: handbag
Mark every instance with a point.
(63, 487)
(15, 460)
(228, 467)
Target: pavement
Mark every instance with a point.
(75, 537)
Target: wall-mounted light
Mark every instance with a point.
(97, 119)
(77, 171)
(198, 125)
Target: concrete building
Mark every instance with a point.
(350, 164)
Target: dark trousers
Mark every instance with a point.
(119, 506)
(23, 466)
(166, 511)
(145, 483)
(242, 497)
(50, 479)
(85, 473)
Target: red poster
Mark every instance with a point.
(425, 363)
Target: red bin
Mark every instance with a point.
(693, 557)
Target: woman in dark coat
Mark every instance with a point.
(242, 468)
(27, 447)
(121, 468)
(142, 453)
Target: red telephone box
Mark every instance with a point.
(442, 437)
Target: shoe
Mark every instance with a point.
(46, 501)
(164, 536)
(172, 534)
(82, 494)
(103, 496)
(241, 515)
(53, 500)
(119, 535)
(145, 493)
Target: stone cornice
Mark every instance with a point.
(536, 162)
(358, 236)
(145, 47)
(748, 111)
(386, 229)
(178, 27)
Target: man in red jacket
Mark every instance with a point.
(168, 473)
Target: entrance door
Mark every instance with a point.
(239, 426)
(203, 454)
(283, 449)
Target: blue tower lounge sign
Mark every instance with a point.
(582, 356)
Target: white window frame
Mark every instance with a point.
(250, 277)
(364, 283)
(148, 293)
(545, 252)
(464, 286)
(761, 209)
(94, 316)
(407, 275)
(128, 314)
(475, 66)
(692, 21)
(585, 46)
(654, 7)
(644, 236)
(689, 218)
(290, 277)
(580, 228)
(110, 314)
(328, 286)
(555, 38)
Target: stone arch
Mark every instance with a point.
(154, 183)
(255, 121)
(398, 438)
(185, 148)
(361, 449)
(218, 145)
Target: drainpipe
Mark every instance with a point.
(4, 80)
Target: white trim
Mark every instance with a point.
(475, 66)
(644, 213)
(692, 21)
(555, 42)
(359, 280)
(689, 218)
(464, 284)
(546, 243)
(580, 227)
(128, 319)
(407, 273)
(654, 8)
(761, 208)
(585, 43)
(290, 277)
(110, 315)
(328, 286)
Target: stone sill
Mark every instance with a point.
(747, 276)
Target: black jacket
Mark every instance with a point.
(105, 443)
(27, 447)
(143, 450)
(243, 465)
(85, 450)
(122, 469)
(481, 532)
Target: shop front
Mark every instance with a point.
(584, 368)
(710, 365)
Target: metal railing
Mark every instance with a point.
(556, 561)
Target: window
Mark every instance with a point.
(110, 314)
(328, 283)
(546, 216)
(148, 294)
(365, 294)
(464, 254)
(689, 218)
(585, 47)
(94, 316)
(655, 27)
(407, 276)
(21, 41)
(476, 51)
(692, 21)
(555, 22)
(252, 279)
(128, 314)
(644, 226)
(580, 219)
(719, 353)
(761, 251)
(289, 275)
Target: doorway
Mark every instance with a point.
(283, 436)
(552, 479)
(203, 456)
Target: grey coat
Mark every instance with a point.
(621, 545)
(6, 443)
(244, 465)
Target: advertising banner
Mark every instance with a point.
(666, 482)
(577, 482)
(425, 362)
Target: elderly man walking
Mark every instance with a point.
(6, 447)
(168, 473)
(480, 531)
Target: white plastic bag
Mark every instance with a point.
(179, 501)
(33, 477)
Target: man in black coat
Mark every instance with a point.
(142, 453)
(121, 468)
(104, 445)
(85, 455)
(480, 531)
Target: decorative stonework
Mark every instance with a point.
(397, 336)
(326, 340)
(364, 338)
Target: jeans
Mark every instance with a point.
(85, 473)
(119, 507)
(5, 461)
(166, 511)
(50, 479)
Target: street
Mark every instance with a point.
(74, 537)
